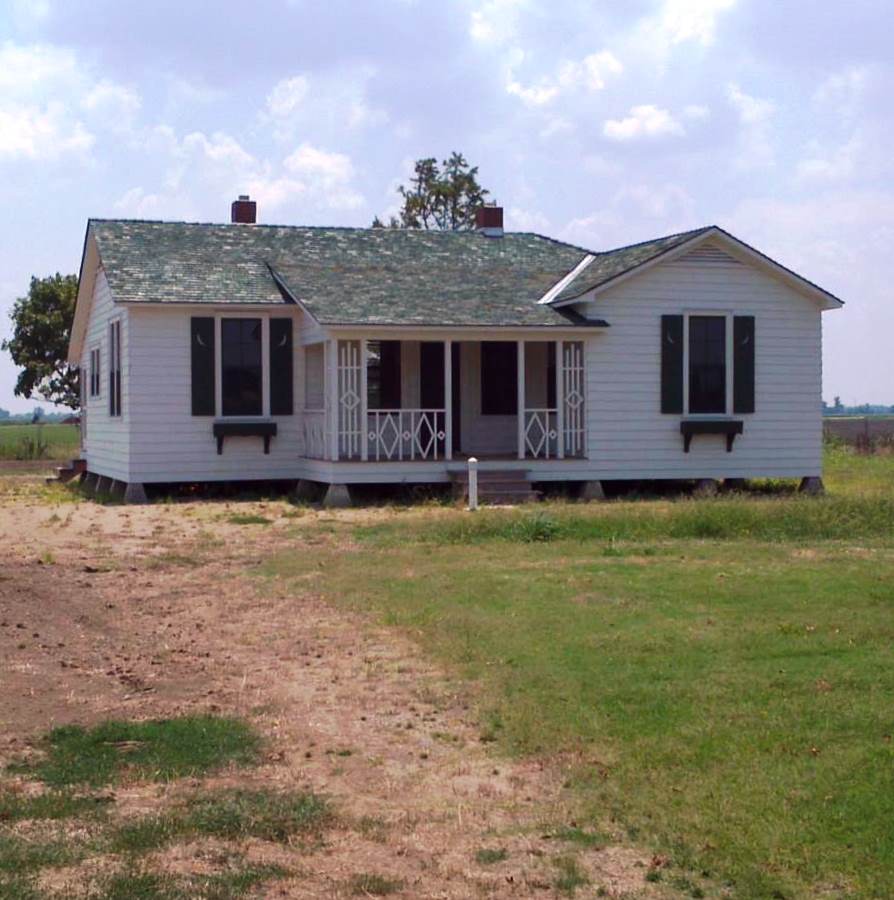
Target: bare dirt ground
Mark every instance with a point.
(136, 612)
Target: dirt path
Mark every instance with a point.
(136, 612)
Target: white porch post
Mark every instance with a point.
(332, 391)
(520, 366)
(364, 400)
(448, 399)
(560, 401)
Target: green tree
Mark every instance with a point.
(439, 197)
(39, 344)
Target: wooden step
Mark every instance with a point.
(491, 475)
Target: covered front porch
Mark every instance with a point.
(410, 403)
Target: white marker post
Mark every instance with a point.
(473, 483)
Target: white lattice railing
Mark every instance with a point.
(541, 433)
(399, 434)
(573, 398)
(315, 433)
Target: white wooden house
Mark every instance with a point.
(344, 356)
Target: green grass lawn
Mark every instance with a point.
(39, 441)
(721, 671)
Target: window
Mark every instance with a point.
(707, 364)
(314, 375)
(95, 380)
(115, 368)
(499, 378)
(241, 367)
(383, 375)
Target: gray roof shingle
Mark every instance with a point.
(358, 276)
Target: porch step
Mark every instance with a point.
(68, 472)
(496, 487)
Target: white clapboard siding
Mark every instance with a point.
(168, 443)
(629, 437)
(107, 441)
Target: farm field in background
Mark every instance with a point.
(717, 673)
(28, 442)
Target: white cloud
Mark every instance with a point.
(696, 112)
(494, 21)
(751, 110)
(519, 219)
(589, 74)
(44, 90)
(41, 133)
(322, 104)
(835, 165)
(692, 20)
(755, 118)
(113, 104)
(219, 166)
(645, 121)
(25, 68)
(842, 91)
(287, 96)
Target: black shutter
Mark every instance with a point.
(672, 364)
(281, 367)
(743, 364)
(202, 349)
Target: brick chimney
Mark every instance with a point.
(489, 221)
(244, 211)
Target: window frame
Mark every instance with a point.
(115, 367)
(94, 386)
(265, 364)
(264, 339)
(728, 317)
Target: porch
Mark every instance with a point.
(424, 402)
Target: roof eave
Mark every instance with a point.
(798, 282)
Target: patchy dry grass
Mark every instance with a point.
(717, 672)
(65, 829)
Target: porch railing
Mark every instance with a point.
(541, 433)
(315, 433)
(399, 434)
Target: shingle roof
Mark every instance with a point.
(609, 265)
(360, 276)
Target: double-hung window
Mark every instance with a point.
(95, 376)
(707, 364)
(115, 368)
(242, 367)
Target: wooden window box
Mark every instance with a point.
(265, 430)
(728, 427)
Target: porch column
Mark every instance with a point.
(448, 399)
(332, 395)
(520, 366)
(560, 401)
(364, 400)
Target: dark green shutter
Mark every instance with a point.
(672, 364)
(743, 364)
(201, 341)
(281, 367)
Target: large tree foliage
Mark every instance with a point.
(440, 197)
(39, 344)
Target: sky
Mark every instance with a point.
(596, 122)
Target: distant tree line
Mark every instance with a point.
(837, 408)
